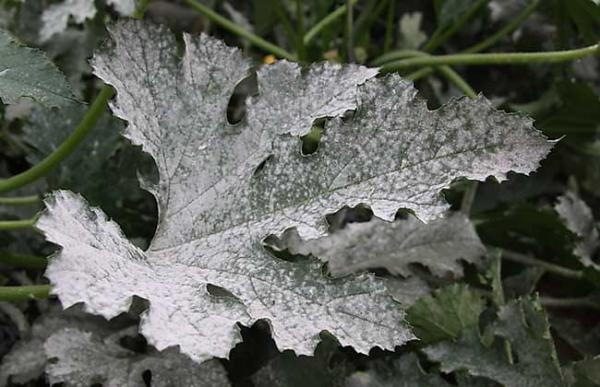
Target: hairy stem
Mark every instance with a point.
(507, 29)
(492, 58)
(65, 149)
(20, 200)
(549, 267)
(440, 37)
(24, 293)
(326, 21)
(6, 225)
(24, 261)
(239, 31)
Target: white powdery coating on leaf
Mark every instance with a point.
(73, 351)
(394, 246)
(579, 220)
(56, 17)
(215, 207)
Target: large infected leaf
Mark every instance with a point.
(438, 245)
(27, 72)
(222, 189)
(523, 324)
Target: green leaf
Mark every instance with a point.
(223, 189)
(524, 325)
(445, 314)
(27, 72)
(104, 168)
(404, 371)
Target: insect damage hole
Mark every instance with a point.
(236, 108)
(310, 142)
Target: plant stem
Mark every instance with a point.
(440, 37)
(509, 28)
(31, 262)
(20, 201)
(285, 20)
(300, 47)
(550, 267)
(65, 149)
(389, 26)
(446, 71)
(469, 196)
(585, 302)
(325, 22)
(24, 293)
(492, 58)
(396, 55)
(239, 31)
(6, 225)
(349, 31)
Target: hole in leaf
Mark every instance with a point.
(220, 292)
(261, 166)
(345, 215)
(310, 142)
(147, 378)
(236, 108)
(138, 306)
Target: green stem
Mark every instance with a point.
(31, 262)
(239, 31)
(492, 58)
(300, 46)
(6, 225)
(509, 28)
(20, 201)
(325, 22)
(549, 267)
(389, 26)
(284, 20)
(24, 293)
(396, 55)
(65, 149)
(349, 31)
(447, 71)
(441, 36)
(584, 302)
(469, 196)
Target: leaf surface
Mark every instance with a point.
(579, 220)
(438, 245)
(27, 72)
(223, 189)
(444, 315)
(524, 325)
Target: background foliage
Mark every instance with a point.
(525, 314)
